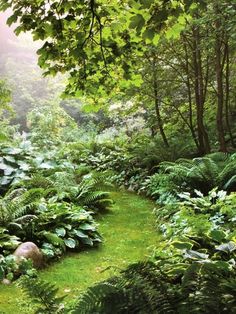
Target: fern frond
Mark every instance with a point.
(88, 193)
(96, 299)
(202, 174)
(18, 203)
(44, 294)
(226, 175)
(38, 181)
(93, 197)
(219, 157)
(202, 290)
(139, 289)
(32, 196)
(190, 279)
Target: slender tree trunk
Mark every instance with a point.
(204, 146)
(188, 85)
(227, 94)
(201, 94)
(187, 123)
(153, 131)
(219, 81)
(157, 108)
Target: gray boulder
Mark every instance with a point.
(29, 250)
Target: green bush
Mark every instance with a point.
(11, 268)
(51, 203)
(203, 174)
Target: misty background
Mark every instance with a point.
(18, 67)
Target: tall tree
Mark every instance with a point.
(102, 44)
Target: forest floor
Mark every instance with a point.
(129, 235)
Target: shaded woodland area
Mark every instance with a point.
(117, 156)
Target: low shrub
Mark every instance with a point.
(203, 174)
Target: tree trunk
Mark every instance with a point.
(204, 145)
(157, 108)
(227, 94)
(219, 81)
(188, 85)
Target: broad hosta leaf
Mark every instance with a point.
(61, 232)
(47, 165)
(10, 159)
(217, 235)
(5, 180)
(80, 234)
(195, 255)
(8, 171)
(87, 241)
(12, 150)
(87, 226)
(24, 166)
(227, 247)
(71, 243)
(182, 245)
(3, 166)
(53, 238)
(97, 239)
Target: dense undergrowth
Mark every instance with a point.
(47, 200)
(151, 85)
(192, 268)
(194, 264)
(124, 242)
(142, 165)
(51, 192)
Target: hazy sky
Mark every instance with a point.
(18, 66)
(6, 34)
(22, 45)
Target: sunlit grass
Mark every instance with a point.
(129, 235)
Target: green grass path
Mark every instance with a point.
(129, 235)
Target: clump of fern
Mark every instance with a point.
(203, 289)
(144, 288)
(17, 204)
(90, 192)
(202, 174)
(17, 217)
(80, 186)
(43, 294)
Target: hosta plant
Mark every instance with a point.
(11, 268)
(62, 226)
(199, 228)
